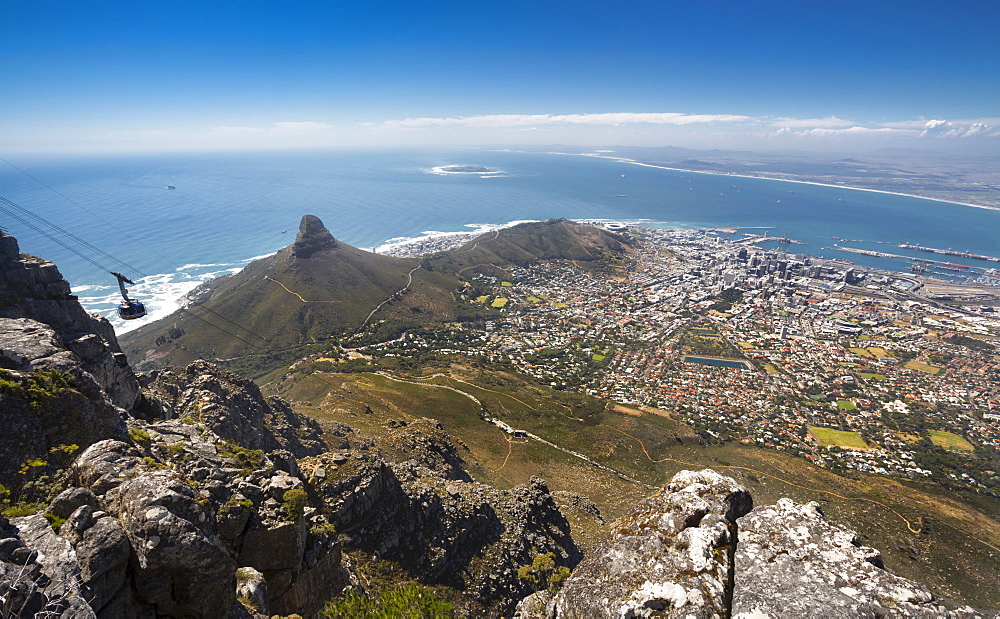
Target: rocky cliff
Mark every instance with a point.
(312, 237)
(34, 289)
(700, 549)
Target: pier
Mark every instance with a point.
(949, 252)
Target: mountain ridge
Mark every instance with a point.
(320, 287)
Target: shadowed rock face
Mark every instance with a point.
(313, 237)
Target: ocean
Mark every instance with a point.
(227, 209)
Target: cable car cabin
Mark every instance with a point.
(131, 310)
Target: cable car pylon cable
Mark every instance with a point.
(73, 237)
(131, 308)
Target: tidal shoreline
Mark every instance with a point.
(774, 178)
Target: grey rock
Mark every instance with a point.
(35, 290)
(669, 557)
(102, 554)
(177, 567)
(792, 561)
(67, 501)
(78, 522)
(233, 408)
(250, 585)
(447, 531)
(278, 485)
(77, 413)
(63, 593)
(274, 544)
(324, 579)
(313, 237)
(104, 465)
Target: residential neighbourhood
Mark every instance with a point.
(847, 366)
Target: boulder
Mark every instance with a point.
(103, 554)
(792, 561)
(67, 502)
(671, 556)
(177, 565)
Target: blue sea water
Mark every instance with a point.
(227, 209)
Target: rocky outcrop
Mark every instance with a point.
(160, 525)
(312, 237)
(672, 551)
(47, 397)
(792, 561)
(233, 408)
(424, 442)
(697, 550)
(33, 288)
(440, 529)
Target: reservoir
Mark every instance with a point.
(726, 363)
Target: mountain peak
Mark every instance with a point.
(313, 237)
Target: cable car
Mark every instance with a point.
(131, 308)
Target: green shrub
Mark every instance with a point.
(22, 508)
(234, 504)
(322, 531)
(248, 459)
(153, 464)
(412, 601)
(543, 572)
(177, 448)
(138, 436)
(40, 388)
(54, 521)
(295, 501)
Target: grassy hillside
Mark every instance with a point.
(951, 530)
(282, 301)
(588, 246)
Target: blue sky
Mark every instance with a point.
(226, 74)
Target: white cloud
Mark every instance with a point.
(828, 122)
(947, 129)
(940, 128)
(627, 128)
(857, 130)
(230, 132)
(284, 127)
(490, 121)
(306, 126)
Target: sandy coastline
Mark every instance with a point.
(773, 178)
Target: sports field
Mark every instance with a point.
(949, 441)
(828, 437)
